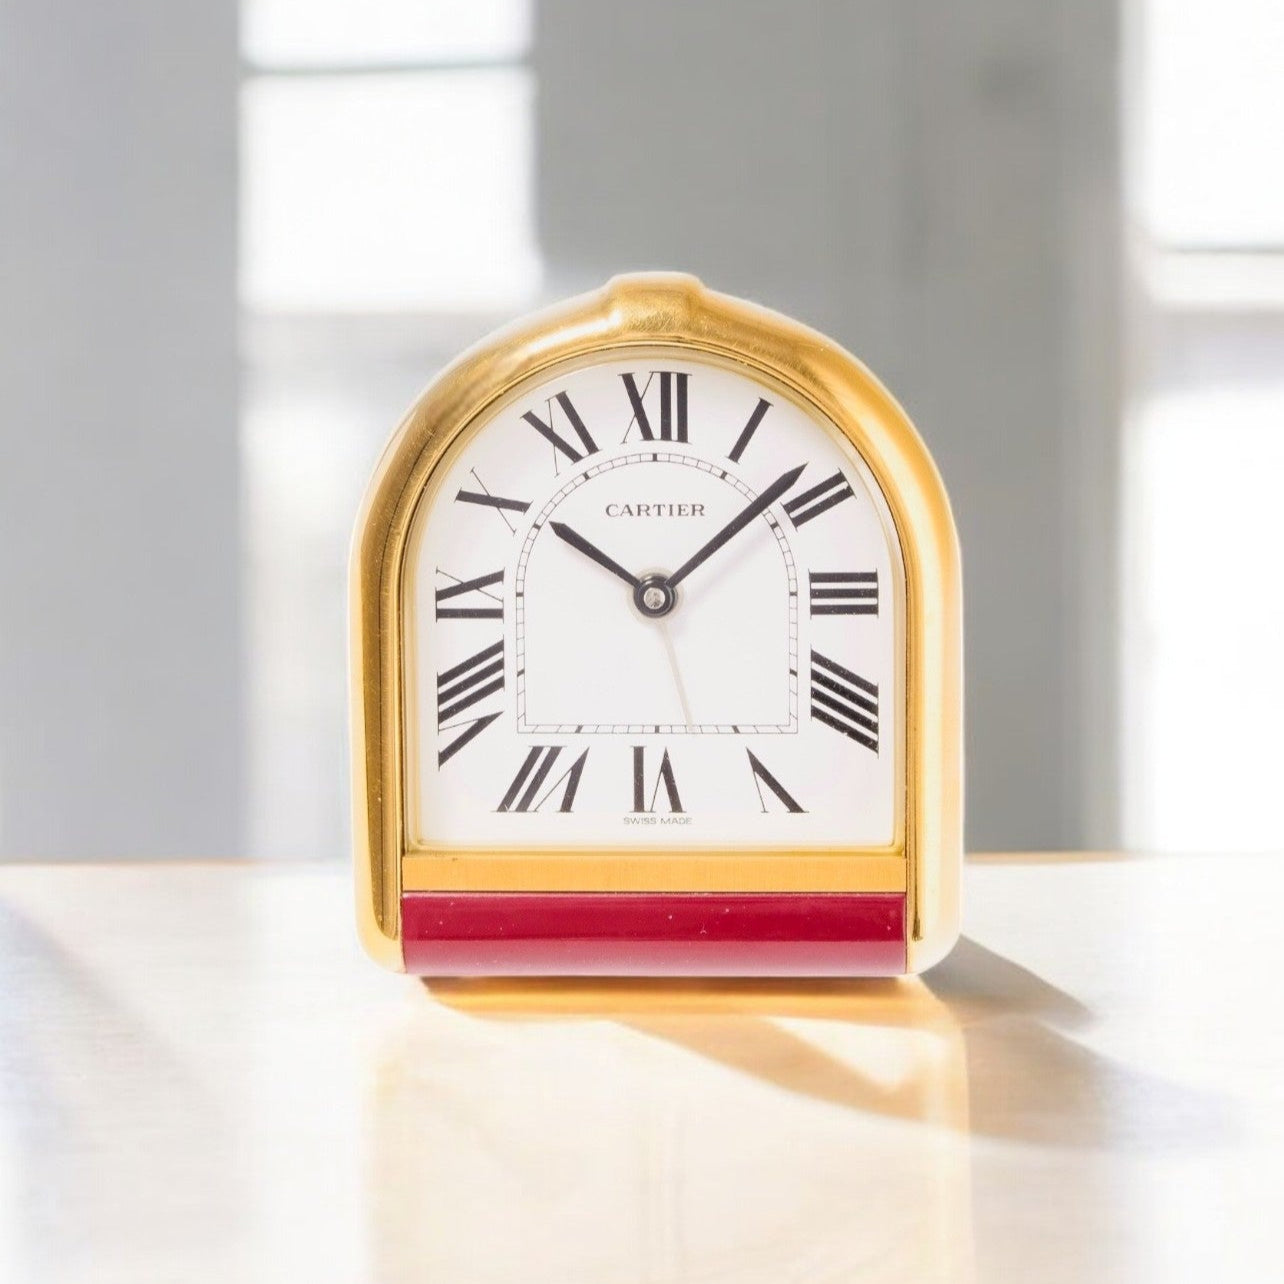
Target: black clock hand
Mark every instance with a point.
(759, 505)
(577, 541)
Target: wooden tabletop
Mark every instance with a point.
(201, 1078)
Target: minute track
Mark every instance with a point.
(575, 715)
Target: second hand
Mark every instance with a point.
(677, 673)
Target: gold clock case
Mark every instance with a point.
(675, 312)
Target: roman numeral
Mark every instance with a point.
(845, 701)
(761, 776)
(673, 405)
(461, 687)
(747, 432)
(554, 438)
(663, 779)
(844, 592)
(819, 499)
(485, 606)
(535, 769)
(499, 503)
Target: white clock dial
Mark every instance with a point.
(652, 602)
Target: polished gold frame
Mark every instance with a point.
(676, 312)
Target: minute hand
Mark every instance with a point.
(738, 523)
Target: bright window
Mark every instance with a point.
(1210, 162)
(387, 221)
(401, 191)
(386, 156)
(1204, 602)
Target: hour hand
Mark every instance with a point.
(577, 541)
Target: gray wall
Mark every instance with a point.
(120, 635)
(936, 186)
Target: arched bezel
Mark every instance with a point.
(670, 311)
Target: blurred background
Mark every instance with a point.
(235, 241)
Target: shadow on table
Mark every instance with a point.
(928, 1130)
(946, 1128)
(1023, 1075)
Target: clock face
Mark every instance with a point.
(652, 602)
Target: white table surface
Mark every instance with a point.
(202, 1078)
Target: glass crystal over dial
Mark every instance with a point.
(653, 602)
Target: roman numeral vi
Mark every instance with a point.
(844, 700)
(664, 780)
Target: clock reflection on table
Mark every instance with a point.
(770, 1130)
(527, 1132)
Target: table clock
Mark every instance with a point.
(656, 657)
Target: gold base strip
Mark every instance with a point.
(627, 872)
